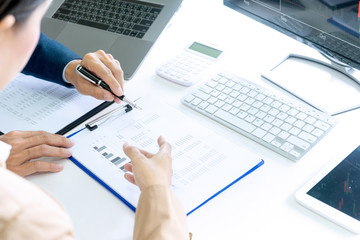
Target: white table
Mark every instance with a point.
(260, 206)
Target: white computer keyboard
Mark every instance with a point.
(279, 123)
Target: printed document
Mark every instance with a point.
(203, 162)
(29, 103)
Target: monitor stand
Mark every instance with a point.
(329, 87)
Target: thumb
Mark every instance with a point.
(131, 151)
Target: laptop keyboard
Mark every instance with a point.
(131, 18)
(275, 122)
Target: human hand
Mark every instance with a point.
(103, 66)
(28, 145)
(149, 169)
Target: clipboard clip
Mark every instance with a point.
(94, 123)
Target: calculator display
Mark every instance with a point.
(206, 50)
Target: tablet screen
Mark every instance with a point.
(340, 188)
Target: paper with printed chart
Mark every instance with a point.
(204, 163)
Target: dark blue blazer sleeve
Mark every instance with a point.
(49, 59)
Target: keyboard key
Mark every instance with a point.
(295, 131)
(242, 114)
(317, 132)
(226, 107)
(275, 130)
(268, 137)
(282, 116)
(268, 100)
(258, 122)
(299, 124)
(295, 153)
(277, 122)
(146, 22)
(234, 111)
(260, 114)
(219, 103)
(94, 24)
(283, 135)
(203, 105)
(310, 119)
(308, 128)
(252, 111)
(301, 116)
(203, 96)
(140, 28)
(237, 122)
(268, 118)
(250, 118)
(298, 142)
(189, 98)
(196, 101)
(259, 133)
(307, 137)
(212, 100)
(211, 109)
(322, 125)
(266, 126)
(273, 112)
(285, 127)
(276, 143)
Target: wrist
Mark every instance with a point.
(69, 71)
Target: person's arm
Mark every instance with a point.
(49, 60)
(54, 62)
(159, 214)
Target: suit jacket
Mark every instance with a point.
(49, 59)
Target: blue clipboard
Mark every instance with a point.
(92, 175)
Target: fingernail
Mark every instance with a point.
(59, 167)
(108, 97)
(125, 144)
(70, 141)
(68, 152)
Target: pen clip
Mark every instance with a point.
(96, 122)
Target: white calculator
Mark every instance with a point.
(187, 66)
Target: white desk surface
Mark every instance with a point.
(260, 206)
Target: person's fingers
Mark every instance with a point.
(47, 139)
(88, 88)
(132, 152)
(130, 178)
(24, 134)
(40, 151)
(38, 166)
(165, 147)
(114, 66)
(128, 167)
(146, 154)
(103, 67)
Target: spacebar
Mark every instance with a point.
(237, 122)
(93, 24)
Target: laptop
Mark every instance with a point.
(125, 28)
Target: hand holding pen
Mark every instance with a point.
(105, 67)
(100, 83)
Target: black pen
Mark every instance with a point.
(97, 81)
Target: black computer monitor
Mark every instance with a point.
(330, 26)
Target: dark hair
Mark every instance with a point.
(20, 9)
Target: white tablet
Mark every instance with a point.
(335, 192)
